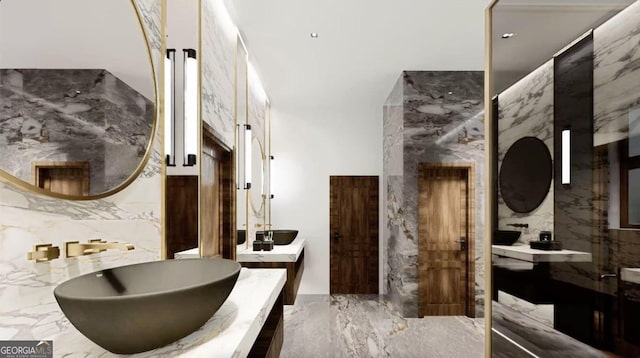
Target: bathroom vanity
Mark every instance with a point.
(289, 257)
(249, 323)
(526, 253)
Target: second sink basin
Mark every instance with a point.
(280, 237)
(136, 308)
(505, 237)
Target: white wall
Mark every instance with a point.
(310, 146)
(59, 34)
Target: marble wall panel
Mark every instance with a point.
(526, 109)
(616, 77)
(218, 43)
(28, 309)
(442, 123)
(392, 128)
(85, 115)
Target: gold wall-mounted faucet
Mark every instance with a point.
(43, 253)
(94, 246)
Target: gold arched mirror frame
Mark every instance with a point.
(6, 177)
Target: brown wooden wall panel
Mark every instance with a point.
(181, 213)
(354, 236)
(210, 196)
(218, 226)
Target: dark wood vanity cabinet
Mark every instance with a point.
(271, 336)
(294, 275)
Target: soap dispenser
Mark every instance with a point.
(267, 244)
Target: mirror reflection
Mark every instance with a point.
(241, 120)
(258, 172)
(566, 74)
(74, 119)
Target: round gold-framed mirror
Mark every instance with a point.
(79, 108)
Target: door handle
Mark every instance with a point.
(336, 236)
(463, 243)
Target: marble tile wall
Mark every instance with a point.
(86, 115)
(442, 122)
(28, 309)
(394, 227)
(526, 109)
(218, 70)
(616, 77)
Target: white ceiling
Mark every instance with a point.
(363, 45)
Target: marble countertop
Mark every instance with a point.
(630, 275)
(526, 253)
(280, 253)
(231, 331)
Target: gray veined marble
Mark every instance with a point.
(368, 326)
(73, 115)
(616, 75)
(526, 109)
(429, 117)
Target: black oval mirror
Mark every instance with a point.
(525, 174)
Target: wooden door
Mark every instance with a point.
(354, 234)
(69, 178)
(445, 260)
(211, 204)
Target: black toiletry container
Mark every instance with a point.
(257, 245)
(545, 236)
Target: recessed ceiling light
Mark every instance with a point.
(314, 35)
(450, 92)
(508, 35)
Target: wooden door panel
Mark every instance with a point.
(210, 185)
(444, 273)
(69, 178)
(354, 217)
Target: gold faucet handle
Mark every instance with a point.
(95, 251)
(43, 253)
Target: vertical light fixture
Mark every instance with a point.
(247, 156)
(169, 107)
(190, 107)
(271, 157)
(566, 156)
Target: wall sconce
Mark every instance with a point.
(566, 156)
(271, 196)
(169, 107)
(190, 107)
(247, 156)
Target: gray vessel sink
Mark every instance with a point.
(136, 308)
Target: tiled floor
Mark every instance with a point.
(367, 326)
(532, 335)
